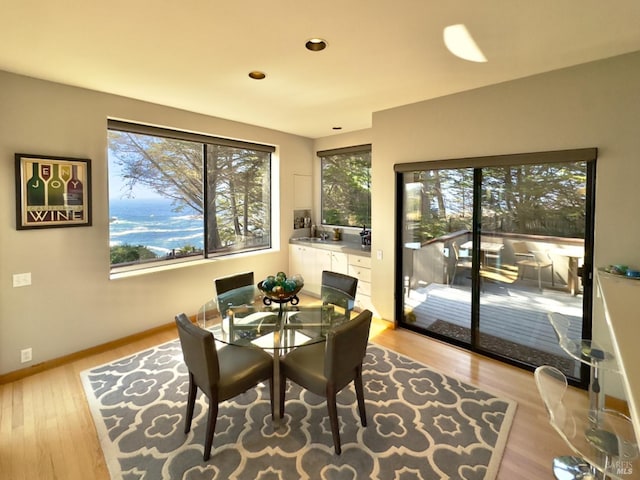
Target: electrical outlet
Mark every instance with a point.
(26, 355)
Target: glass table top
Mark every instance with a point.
(247, 321)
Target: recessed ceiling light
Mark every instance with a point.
(459, 42)
(257, 75)
(337, 128)
(316, 44)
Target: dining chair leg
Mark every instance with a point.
(539, 279)
(333, 417)
(282, 389)
(360, 396)
(211, 426)
(191, 401)
(273, 411)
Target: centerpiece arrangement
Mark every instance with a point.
(280, 289)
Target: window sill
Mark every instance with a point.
(129, 272)
(135, 272)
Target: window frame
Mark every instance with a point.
(346, 152)
(206, 141)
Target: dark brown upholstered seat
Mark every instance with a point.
(220, 374)
(326, 368)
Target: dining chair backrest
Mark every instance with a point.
(237, 289)
(456, 251)
(560, 324)
(339, 289)
(552, 385)
(199, 352)
(520, 250)
(345, 349)
(340, 282)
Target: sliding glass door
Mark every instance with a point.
(490, 246)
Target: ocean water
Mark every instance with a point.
(153, 223)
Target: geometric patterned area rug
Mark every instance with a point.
(421, 424)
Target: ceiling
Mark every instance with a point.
(196, 54)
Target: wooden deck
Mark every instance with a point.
(513, 312)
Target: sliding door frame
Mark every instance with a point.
(588, 155)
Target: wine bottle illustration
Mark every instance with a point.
(74, 188)
(55, 188)
(35, 187)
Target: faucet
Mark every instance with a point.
(365, 236)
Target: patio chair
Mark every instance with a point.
(533, 259)
(460, 262)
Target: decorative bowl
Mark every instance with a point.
(279, 296)
(633, 273)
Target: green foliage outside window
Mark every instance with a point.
(121, 254)
(346, 188)
(535, 199)
(233, 196)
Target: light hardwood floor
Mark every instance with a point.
(46, 430)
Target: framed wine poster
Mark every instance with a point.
(52, 191)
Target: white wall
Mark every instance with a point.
(72, 304)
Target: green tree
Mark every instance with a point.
(346, 189)
(130, 254)
(237, 209)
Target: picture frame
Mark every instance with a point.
(52, 191)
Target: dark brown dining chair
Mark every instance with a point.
(340, 290)
(326, 368)
(219, 374)
(237, 289)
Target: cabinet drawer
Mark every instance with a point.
(360, 260)
(364, 302)
(364, 289)
(361, 273)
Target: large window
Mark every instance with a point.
(346, 186)
(164, 207)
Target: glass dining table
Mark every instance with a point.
(245, 317)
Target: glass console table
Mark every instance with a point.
(603, 438)
(589, 353)
(605, 448)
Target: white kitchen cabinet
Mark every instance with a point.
(305, 261)
(310, 262)
(360, 267)
(339, 262)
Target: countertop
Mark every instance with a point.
(339, 246)
(621, 298)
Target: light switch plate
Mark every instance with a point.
(379, 254)
(21, 279)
